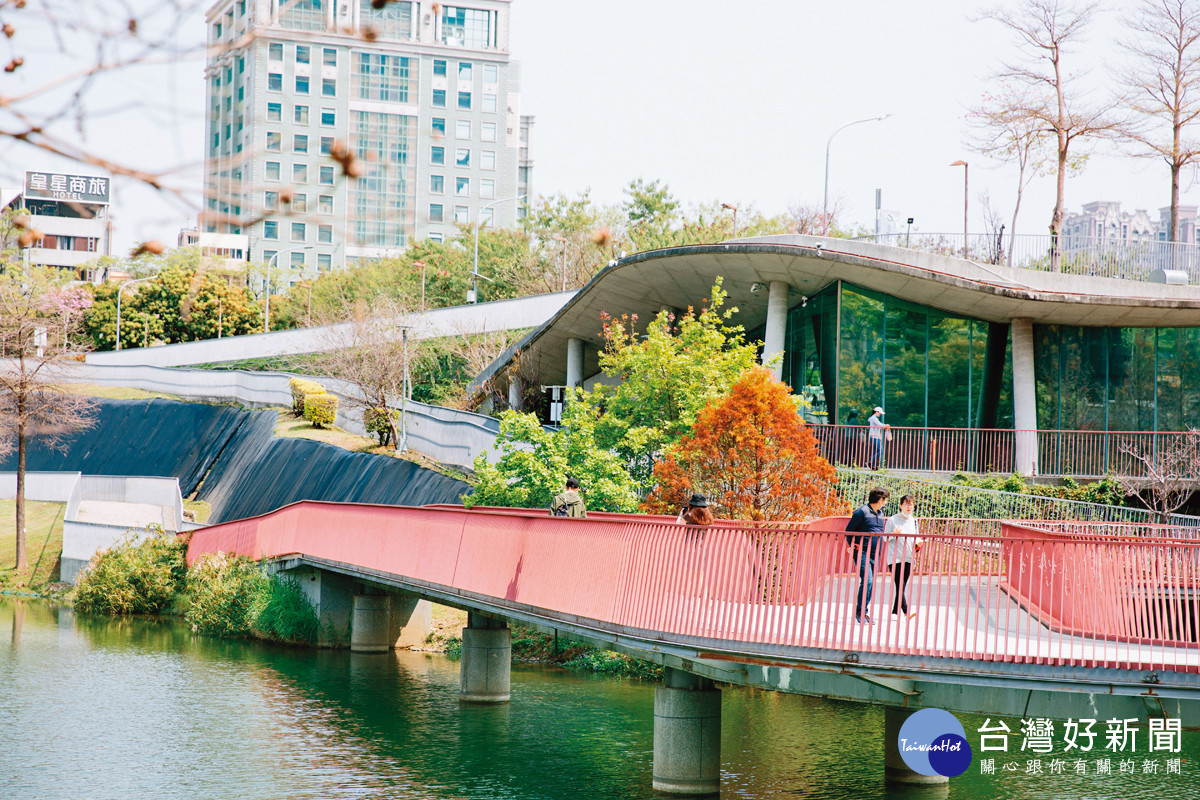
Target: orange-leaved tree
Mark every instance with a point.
(753, 457)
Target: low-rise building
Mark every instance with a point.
(71, 212)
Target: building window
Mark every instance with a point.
(269, 254)
(462, 157)
(302, 15)
(325, 234)
(299, 143)
(275, 51)
(462, 215)
(302, 54)
(300, 203)
(301, 84)
(274, 81)
(272, 170)
(328, 87)
(439, 68)
(489, 103)
(299, 173)
(300, 115)
(379, 202)
(462, 129)
(487, 188)
(487, 216)
(241, 65)
(487, 159)
(437, 155)
(435, 212)
(464, 101)
(297, 231)
(439, 126)
(487, 131)
(490, 73)
(385, 78)
(464, 70)
(328, 117)
(274, 141)
(437, 184)
(324, 262)
(393, 21)
(325, 204)
(326, 145)
(466, 27)
(271, 201)
(274, 112)
(462, 186)
(326, 176)
(299, 257)
(439, 98)
(329, 58)
(270, 230)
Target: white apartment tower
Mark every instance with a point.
(423, 93)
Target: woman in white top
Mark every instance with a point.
(902, 550)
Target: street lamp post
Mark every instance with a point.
(825, 205)
(474, 295)
(732, 208)
(963, 164)
(267, 288)
(121, 289)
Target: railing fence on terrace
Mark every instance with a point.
(1076, 255)
(1087, 454)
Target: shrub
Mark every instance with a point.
(134, 577)
(379, 421)
(300, 390)
(285, 614)
(321, 409)
(224, 591)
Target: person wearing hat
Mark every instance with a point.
(696, 512)
(876, 433)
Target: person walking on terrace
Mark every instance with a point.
(878, 432)
(862, 534)
(569, 503)
(902, 550)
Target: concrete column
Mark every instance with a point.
(574, 362)
(687, 735)
(775, 334)
(515, 393)
(486, 660)
(1024, 397)
(370, 627)
(895, 770)
(332, 597)
(411, 621)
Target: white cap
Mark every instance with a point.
(878, 410)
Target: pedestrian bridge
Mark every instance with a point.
(1012, 618)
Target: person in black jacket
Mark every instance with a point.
(868, 522)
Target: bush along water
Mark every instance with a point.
(221, 595)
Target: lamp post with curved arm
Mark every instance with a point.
(474, 295)
(121, 289)
(825, 205)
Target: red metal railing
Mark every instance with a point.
(1078, 453)
(981, 590)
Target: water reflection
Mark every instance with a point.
(139, 709)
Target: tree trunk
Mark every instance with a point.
(1012, 232)
(22, 562)
(1057, 217)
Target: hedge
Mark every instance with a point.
(321, 409)
(301, 389)
(375, 420)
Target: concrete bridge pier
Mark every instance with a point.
(382, 622)
(486, 660)
(687, 735)
(895, 770)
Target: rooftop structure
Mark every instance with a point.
(72, 212)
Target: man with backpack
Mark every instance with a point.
(569, 503)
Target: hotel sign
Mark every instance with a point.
(71, 188)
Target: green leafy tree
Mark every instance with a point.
(535, 462)
(666, 377)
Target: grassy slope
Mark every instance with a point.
(43, 543)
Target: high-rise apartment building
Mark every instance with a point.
(423, 93)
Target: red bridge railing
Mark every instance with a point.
(981, 590)
(1060, 452)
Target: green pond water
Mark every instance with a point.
(99, 708)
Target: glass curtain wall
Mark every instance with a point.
(1117, 379)
(851, 349)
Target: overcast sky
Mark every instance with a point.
(724, 101)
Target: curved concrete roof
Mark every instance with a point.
(644, 283)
